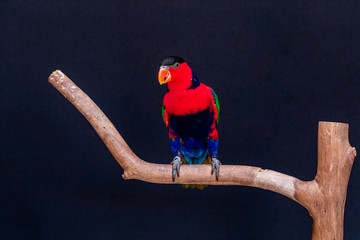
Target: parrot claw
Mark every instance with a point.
(215, 165)
(176, 163)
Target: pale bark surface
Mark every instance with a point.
(324, 197)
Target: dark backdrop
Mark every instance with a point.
(278, 68)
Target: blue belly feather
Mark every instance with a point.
(194, 151)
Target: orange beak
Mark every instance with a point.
(164, 76)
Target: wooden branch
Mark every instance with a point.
(324, 197)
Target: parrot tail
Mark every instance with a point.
(207, 160)
(198, 186)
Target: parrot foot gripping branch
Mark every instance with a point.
(324, 197)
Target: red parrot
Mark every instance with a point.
(191, 114)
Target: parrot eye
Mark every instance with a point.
(176, 65)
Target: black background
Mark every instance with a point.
(278, 68)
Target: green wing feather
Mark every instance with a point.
(163, 116)
(163, 112)
(216, 100)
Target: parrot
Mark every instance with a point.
(190, 112)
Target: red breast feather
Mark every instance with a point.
(184, 102)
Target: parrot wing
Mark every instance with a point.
(217, 106)
(165, 116)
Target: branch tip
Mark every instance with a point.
(124, 176)
(354, 151)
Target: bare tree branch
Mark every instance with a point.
(324, 197)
